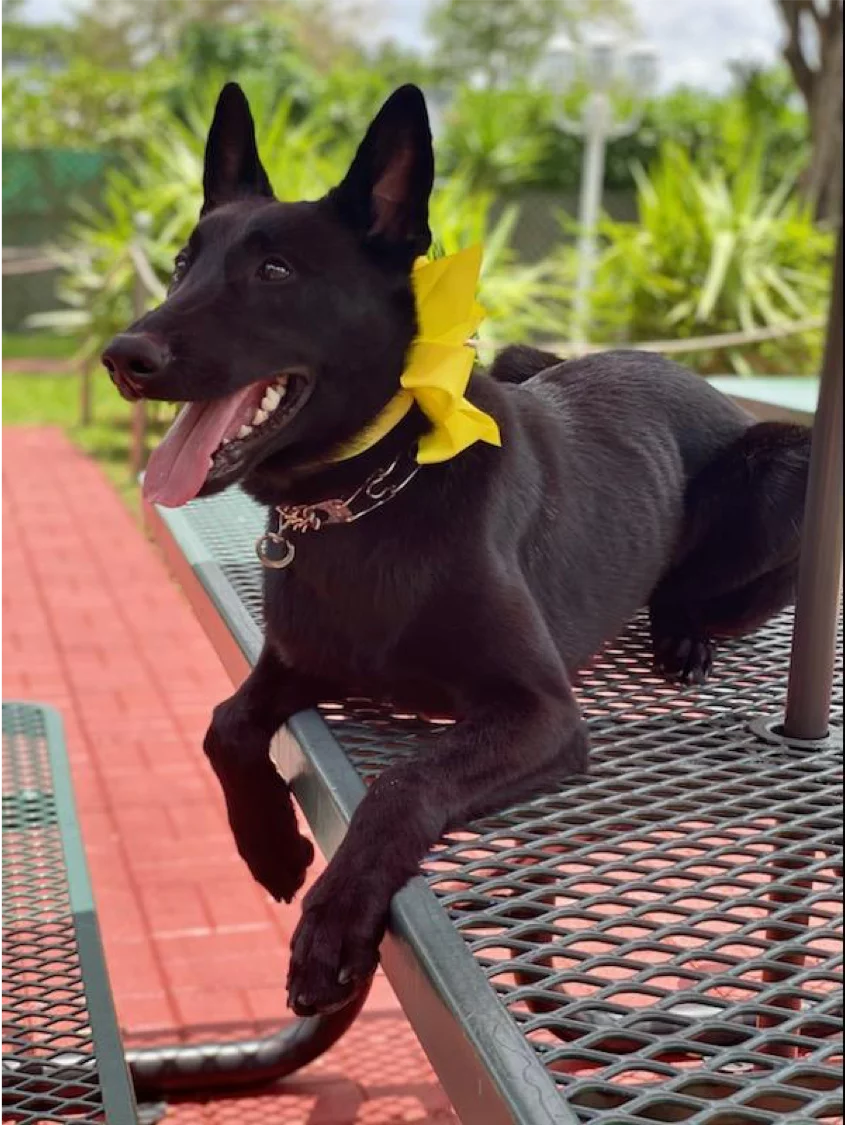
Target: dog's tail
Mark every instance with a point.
(737, 563)
(517, 363)
(761, 477)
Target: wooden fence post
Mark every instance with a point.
(141, 291)
(138, 441)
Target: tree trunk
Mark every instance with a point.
(823, 183)
(821, 88)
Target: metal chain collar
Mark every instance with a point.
(275, 549)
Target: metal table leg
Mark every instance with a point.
(819, 581)
(187, 1068)
(200, 1068)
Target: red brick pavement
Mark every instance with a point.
(93, 624)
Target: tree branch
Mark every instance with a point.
(831, 20)
(805, 77)
(830, 29)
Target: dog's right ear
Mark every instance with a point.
(232, 167)
(384, 196)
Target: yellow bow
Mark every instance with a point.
(439, 365)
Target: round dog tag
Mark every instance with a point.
(274, 551)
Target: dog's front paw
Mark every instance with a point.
(268, 840)
(259, 806)
(688, 659)
(334, 950)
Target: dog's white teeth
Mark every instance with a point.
(282, 385)
(271, 400)
(260, 416)
(244, 431)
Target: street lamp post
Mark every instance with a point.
(600, 63)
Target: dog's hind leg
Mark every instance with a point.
(738, 561)
(684, 634)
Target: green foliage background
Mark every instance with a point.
(708, 172)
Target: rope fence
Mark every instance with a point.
(22, 260)
(700, 343)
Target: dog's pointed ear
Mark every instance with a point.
(384, 196)
(232, 167)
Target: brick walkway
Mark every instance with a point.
(93, 624)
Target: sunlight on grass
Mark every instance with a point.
(42, 345)
(53, 400)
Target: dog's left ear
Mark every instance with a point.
(232, 168)
(384, 196)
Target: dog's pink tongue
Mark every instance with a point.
(178, 467)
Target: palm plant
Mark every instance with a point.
(714, 253)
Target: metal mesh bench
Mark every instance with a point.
(62, 1054)
(658, 942)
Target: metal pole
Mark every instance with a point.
(597, 121)
(820, 572)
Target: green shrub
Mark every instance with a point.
(85, 106)
(511, 139)
(505, 140)
(713, 253)
(519, 299)
(497, 138)
(719, 129)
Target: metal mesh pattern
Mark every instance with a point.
(49, 1070)
(667, 932)
(228, 526)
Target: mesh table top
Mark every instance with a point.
(62, 1055)
(666, 934)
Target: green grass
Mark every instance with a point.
(53, 400)
(41, 345)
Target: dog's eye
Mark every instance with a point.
(180, 267)
(274, 269)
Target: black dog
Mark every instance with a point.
(623, 480)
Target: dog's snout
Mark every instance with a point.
(133, 357)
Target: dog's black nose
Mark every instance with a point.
(133, 357)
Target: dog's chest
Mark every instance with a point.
(342, 618)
